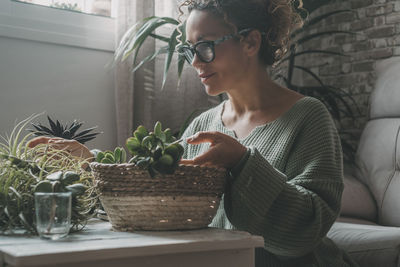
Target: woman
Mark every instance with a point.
(281, 148)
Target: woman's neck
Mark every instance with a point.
(258, 92)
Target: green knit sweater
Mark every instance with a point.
(289, 187)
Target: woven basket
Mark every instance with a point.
(133, 200)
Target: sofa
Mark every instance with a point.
(369, 224)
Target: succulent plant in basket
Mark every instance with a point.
(158, 151)
(152, 191)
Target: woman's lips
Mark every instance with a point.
(205, 76)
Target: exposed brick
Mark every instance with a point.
(362, 13)
(395, 40)
(381, 53)
(343, 17)
(379, 10)
(397, 6)
(381, 32)
(346, 68)
(363, 66)
(360, 3)
(380, 21)
(362, 24)
(379, 43)
(330, 70)
(360, 46)
(396, 51)
(393, 18)
(344, 38)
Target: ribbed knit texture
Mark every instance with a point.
(289, 188)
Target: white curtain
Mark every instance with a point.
(126, 86)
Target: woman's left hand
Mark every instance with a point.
(224, 150)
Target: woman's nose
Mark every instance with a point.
(196, 61)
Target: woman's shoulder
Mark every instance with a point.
(205, 120)
(310, 106)
(210, 116)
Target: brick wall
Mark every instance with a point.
(377, 27)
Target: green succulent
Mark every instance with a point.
(157, 151)
(112, 157)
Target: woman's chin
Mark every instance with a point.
(212, 91)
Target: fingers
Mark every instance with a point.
(208, 158)
(38, 140)
(41, 140)
(204, 137)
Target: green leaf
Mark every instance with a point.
(44, 186)
(70, 177)
(117, 154)
(162, 50)
(316, 35)
(171, 49)
(123, 156)
(110, 156)
(315, 51)
(159, 37)
(158, 129)
(100, 156)
(76, 189)
(148, 142)
(55, 176)
(144, 32)
(168, 135)
(107, 161)
(133, 144)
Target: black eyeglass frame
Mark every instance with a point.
(183, 49)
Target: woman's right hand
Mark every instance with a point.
(71, 146)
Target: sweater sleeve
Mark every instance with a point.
(294, 210)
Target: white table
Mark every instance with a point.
(98, 246)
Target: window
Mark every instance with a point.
(54, 25)
(96, 7)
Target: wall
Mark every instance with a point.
(377, 27)
(54, 61)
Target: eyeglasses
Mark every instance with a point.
(205, 49)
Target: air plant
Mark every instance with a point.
(24, 171)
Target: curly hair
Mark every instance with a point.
(275, 18)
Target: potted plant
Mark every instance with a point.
(25, 171)
(152, 191)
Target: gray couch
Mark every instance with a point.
(369, 225)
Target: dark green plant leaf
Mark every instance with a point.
(313, 51)
(171, 49)
(162, 50)
(159, 37)
(319, 34)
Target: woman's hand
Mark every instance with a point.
(224, 151)
(71, 146)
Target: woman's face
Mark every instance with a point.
(227, 69)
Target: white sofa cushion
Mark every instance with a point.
(368, 245)
(357, 200)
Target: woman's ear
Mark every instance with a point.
(252, 42)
